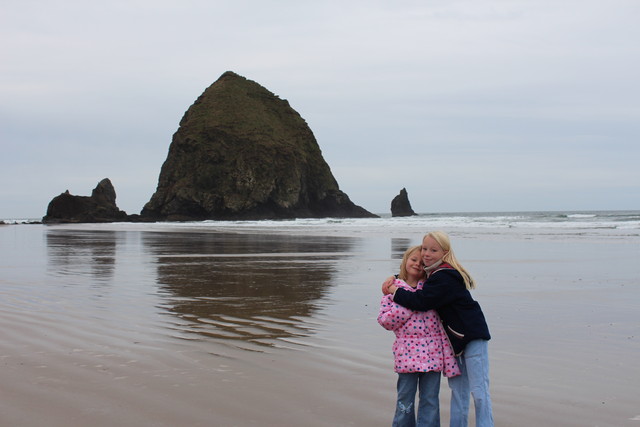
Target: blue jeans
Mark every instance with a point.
(428, 386)
(474, 381)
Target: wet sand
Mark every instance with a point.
(111, 325)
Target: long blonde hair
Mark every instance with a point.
(403, 265)
(443, 240)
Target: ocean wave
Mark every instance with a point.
(600, 220)
(442, 221)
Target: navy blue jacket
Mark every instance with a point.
(445, 292)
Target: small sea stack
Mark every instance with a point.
(400, 205)
(99, 207)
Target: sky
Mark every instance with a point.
(472, 106)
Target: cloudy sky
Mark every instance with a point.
(496, 105)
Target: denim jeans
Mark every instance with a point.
(474, 381)
(428, 386)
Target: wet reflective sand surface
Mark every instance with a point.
(118, 325)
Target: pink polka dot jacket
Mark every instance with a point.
(421, 343)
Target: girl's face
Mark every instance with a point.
(431, 251)
(414, 265)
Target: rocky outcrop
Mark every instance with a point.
(241, 152)
(99, 207)
(400, 205)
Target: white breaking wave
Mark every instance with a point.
(552, 224)
(628, 221)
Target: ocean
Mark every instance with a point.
(576, 220)
(274, 322)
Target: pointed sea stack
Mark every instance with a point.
(400, 205)
(241, 152)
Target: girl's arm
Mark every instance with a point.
(442, 288)
(392, 316)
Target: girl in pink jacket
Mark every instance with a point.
(421, 349)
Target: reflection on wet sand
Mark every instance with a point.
(399, 246)
(244, 289)
(82, 253)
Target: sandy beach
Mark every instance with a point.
(105, 325)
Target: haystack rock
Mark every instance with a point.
(99, 207)
(241, 152)
(400, 205)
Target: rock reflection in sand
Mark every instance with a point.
(244, 288)
(399, 245)
(82, 253)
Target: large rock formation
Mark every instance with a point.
(99, 207)
(400, 205)
(241, 152)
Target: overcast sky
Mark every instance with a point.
(469, 105)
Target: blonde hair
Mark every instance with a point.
(442, 239)
(405, 258)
